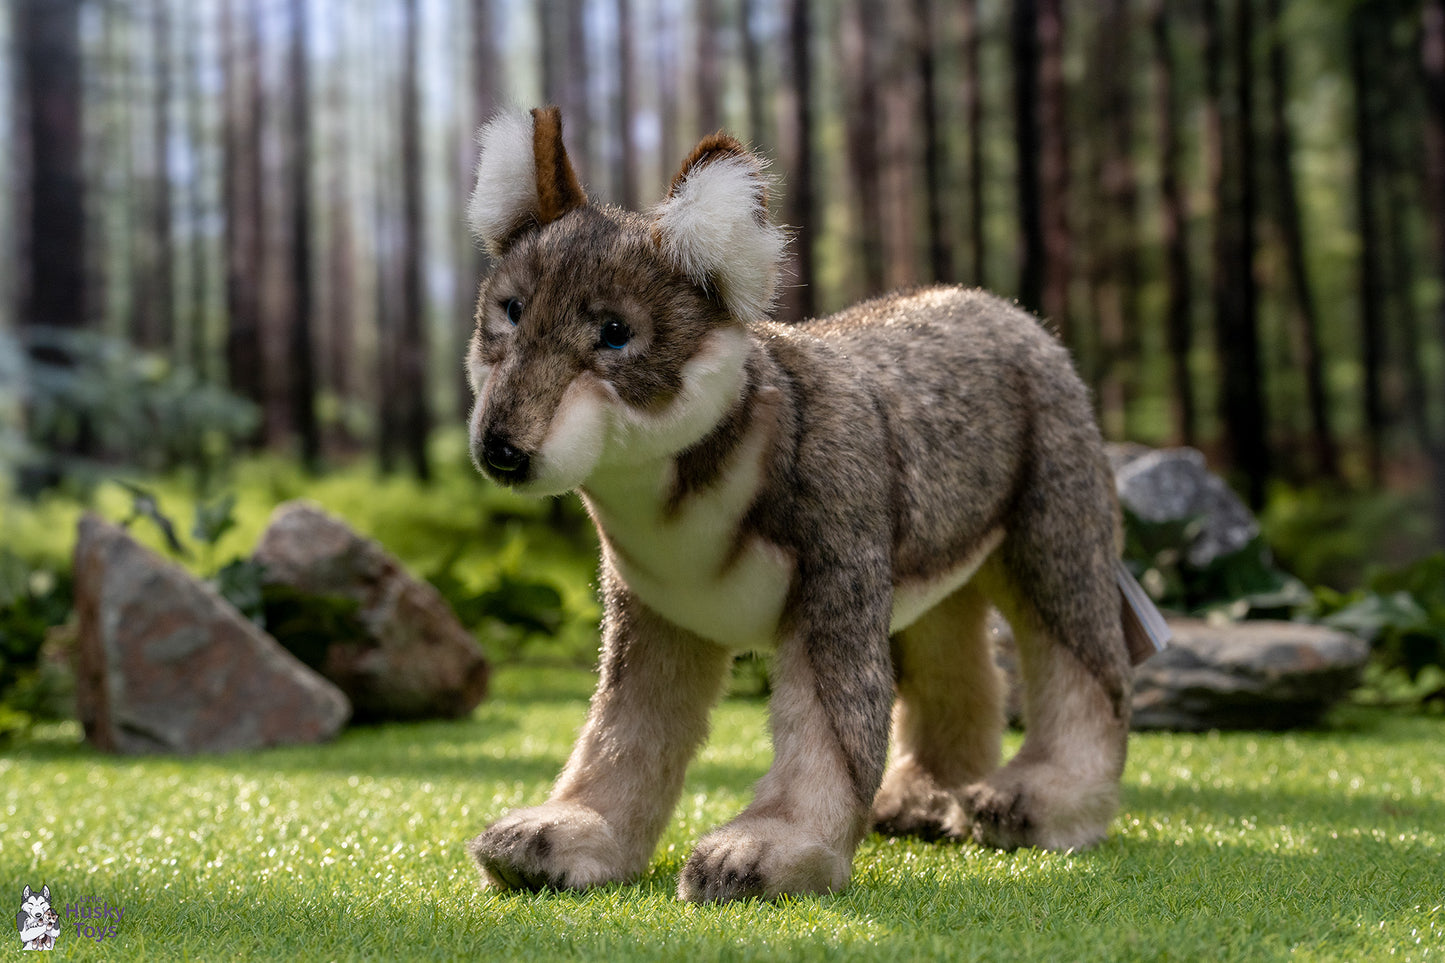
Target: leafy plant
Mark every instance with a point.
(1242, 583)
(1401, 613)
(101, 397)
(33, 601)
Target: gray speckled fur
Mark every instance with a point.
(904, 434)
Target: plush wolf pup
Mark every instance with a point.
(848, 494)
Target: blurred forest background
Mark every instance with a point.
(230, 225)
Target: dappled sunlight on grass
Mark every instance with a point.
(1323, 844)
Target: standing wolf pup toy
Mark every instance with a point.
(848, 494)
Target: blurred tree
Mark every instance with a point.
(860, 22)
(900, 184)
(972, 100)
(156, 323)
(1174, 212)
(926, 33)
(1112, 237)
(199, 213)
(708, 68)
(1289, 222)
(1236, 325)
(626, 169)
(795, 123)
(752, 70)
(1024, 46)
(52, 291)
(666, 36)
(241, 58)
(302, 351)
(1363, 38)
(1432, 58)
(415, 420)
(1054, 169)
(53, 294)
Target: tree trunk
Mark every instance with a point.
(709, 70)
(242, 176)
(1054, 170)
(199, 356)
(578, 105)
(860, 23)
(626, 107)
(157, 325)
(337, 367)
(53, 293)
(1175, 212)
(1242, 408)
(796, 138)
(973, 119)
(1363, 34)
(1432, 56)
(1291, 229)
(752, 71)
(1114, 262)
(925, 41)
(302, 355)
(1024, 38)
(899, 112)
(412, 350)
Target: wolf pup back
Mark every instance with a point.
(850, 494)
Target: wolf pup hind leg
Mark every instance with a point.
(850, 494)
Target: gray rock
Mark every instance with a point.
(1243, 675)
(1173, 484)
(164, 664)
(414, 659)
(1246, 675)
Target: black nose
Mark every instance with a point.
(503, 456)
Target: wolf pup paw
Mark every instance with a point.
(556, 846)
(912, 804)
(761, 859)
(1038, 806)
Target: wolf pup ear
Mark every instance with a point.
(524, 178)
(714, 226)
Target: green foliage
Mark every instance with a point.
(1401, 613)
(306, 624)
(123, 407)
(33, 601)
(1243, 583)
(1328, 536)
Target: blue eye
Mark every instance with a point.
(514, 310)
(615, 334)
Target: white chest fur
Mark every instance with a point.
(680, 564)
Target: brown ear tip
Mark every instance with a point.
(713, 147)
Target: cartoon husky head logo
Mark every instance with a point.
(39, 924)
(606, 338)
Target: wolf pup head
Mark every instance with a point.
(607, 338)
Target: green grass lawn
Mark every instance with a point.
(1327, 844)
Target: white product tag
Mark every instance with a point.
(1145, 631)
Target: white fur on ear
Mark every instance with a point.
(506, 190)
(714, 227)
